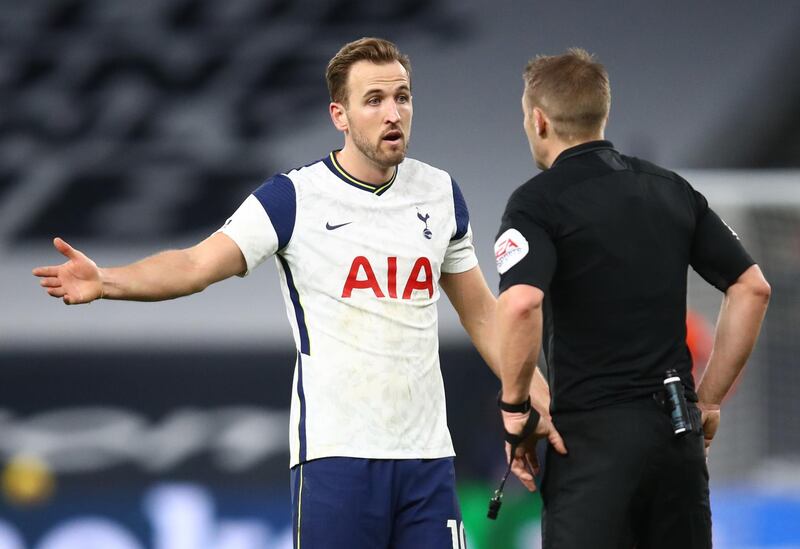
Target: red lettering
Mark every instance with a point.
(353, 282)
(421, 278)
(413, 279)
(505, 247)
(392, 276)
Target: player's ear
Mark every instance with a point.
(339, 116)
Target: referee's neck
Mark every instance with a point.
(557, 146)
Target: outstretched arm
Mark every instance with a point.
(166, 275)
(738, 326)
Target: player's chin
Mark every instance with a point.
(393, 153)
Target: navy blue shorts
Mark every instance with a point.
(351, 503)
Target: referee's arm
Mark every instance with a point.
(743, 308)
(526, 260)
(519, 327)
(720, 258)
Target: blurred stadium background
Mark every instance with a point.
(130, 127)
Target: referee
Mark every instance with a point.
(593, 256)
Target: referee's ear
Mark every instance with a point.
(540, 122)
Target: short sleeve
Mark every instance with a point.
(460, 254)
(264, 223)
(524, 249)
(717, 253)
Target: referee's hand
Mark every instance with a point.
(709, 417)
(525, 464)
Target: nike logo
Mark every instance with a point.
(333, 227)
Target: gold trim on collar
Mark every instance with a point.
(363, 185)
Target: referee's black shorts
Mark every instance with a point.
(626, 482)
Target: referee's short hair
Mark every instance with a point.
(375, 50)
(572, 89)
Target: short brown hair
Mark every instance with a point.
(375, 50)
(573, 91)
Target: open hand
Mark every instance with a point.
(76, 281)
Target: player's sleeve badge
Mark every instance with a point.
(509, 249)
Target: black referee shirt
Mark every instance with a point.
(609, 239)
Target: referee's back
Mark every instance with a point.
(624, 233)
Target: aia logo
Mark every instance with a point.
(362, 277)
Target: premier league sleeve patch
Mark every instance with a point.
(509, 249)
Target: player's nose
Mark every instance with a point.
(392, 113)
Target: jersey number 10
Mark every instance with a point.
(457, 531)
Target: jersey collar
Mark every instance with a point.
(583, 148)
(334, 166)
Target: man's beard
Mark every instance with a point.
(376, 154)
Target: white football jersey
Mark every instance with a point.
(359, 269)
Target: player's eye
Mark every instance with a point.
(403, 99)
(374, 101)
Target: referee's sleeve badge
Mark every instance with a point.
(509, 249)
